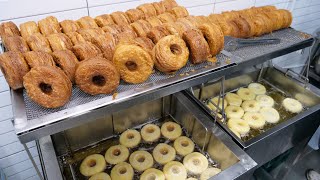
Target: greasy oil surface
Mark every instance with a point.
(285, 115)
(73, 163)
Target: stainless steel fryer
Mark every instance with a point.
(62, 152)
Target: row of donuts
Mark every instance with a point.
(251, 108)
(143, 162)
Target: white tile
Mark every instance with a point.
(22, 8)
(307, 25)
(35, 177)
(6, 126)
(72, 14)
(201, 10)
(3, 84)
(193, 3)
(14, 148)
(306, 3)
(306, 18)
(6, 113)
(17, 157)
(92, 3)
(21, 166)
(306, 10)
(24, 174)
(269, 2)
(233, 5)
(107, 9)
(221, 1)
(5, 98)
(7, 138)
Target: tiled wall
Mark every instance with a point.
(13, 159)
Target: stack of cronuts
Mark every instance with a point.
(95, 53)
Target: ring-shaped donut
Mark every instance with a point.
(122, 171)
(67, 61)
(141, 160)
(150, 133)
(171, 130)
(130, 138)
(116, 154)
(92, 164)
(214, 36)
(163, 153)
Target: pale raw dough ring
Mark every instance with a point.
(233, 99)
(141, 160)
(250, 106)
(92, 164)
(116, 154)
(246, 94)
(122, 171)
(265, 101)
(254, 119)
(175, 171)
(208, 173)
(257, 88)
(100, 176)
(130, 138)
(271, 115)
(183, 145)
(150, 133)
(195, 163)
(239, 125)
(152, 173)
(234, 112)
(171, 130)
(163, 153)
(292, 105)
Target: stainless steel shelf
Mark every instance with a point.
(33, 122)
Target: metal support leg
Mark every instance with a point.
(33, 162)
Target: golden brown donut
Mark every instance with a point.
(157, 33)
(169, 4)
(123, 36)
(182, 27)
(90, 33)
(147, 9)
(235, 32)
(287, 16)
(154, 21)
(172, 28)
(66, 61)
(106, 43)
(103, 20)
(8, 29)
(202, 19)
(37, 42)
(48, 86)
(28, 28)
(277, 19)
(87, 22)
(214, 36)
(134, 15)
(198, 46)
(251, 24)
(267, 23)
(86, 50)
(141, 27)
(38, 58)
(13, 67)
(143, 42)
(179, 12)
(59, 41)
(49, 25)
(192, 19)
(243, 26)
(170, 54)
(69, 26)
(268, 8)
(230, 15)
(15, 43)
(97, 76)
(159, 7)
(188, 22)
(258, 26)
(128, 29)
(224, 25)
(166, 18)
(120, 18)
(134, 64)
(75, 37)
(112, 28)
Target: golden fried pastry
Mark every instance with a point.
(163, 153)
(151, 174)
(157, 33)
(182, 27)
(66, 61)
(48, 86)
(38, 58)
(87, 22)
(243, 26)
(141, 160)
(100, 176)
(120, 18)
(267, 28)
(28, 28)
(179, 12)
(214, 36)
(106, 43)
(195, 163)
(258, 26)
(90, 33)
(218, 19)
(230, 15)
(159, 7)
(8, 29)
(171, 130)
(59, 41)
(130, 138)
(172, 28)
(75, 38)
(141, 27)
(169, 4)
(134, 64)
(193, 20)
(148, 10)
(183, 145)
(92, 165)
(37, 42)
(175, 170)
(287, 17)
(116, 154)
(198, 46)
(49, 25)
(150, 133)
(85, 51)
(15, 43)
(97, 76)
(170, 54)
(69, 26)
(134, 15)
(112, 28)
(266, 8)
(123, 36)
(103, 20)
(126, 31)
(202, 19)
(143, 42)
(13, 67)
(251, 24)
(166, 18)
(122, 171)
(188, 22)
(154, 21)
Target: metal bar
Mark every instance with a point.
(32, 161)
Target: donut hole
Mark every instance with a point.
(247, 93)
(251, 105)
(196, 162)
(175, 49)
(150, 130)
(130, 136)
(170, 128)
(92, 163)
(99, 80)
(234, 110)
(185, 143)
(45, 88)
(132, 66)
(164, 151)
(122, 170)
(175, 170)
(141, 159)
(152, 177)
(255, 118)
(116, 152)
